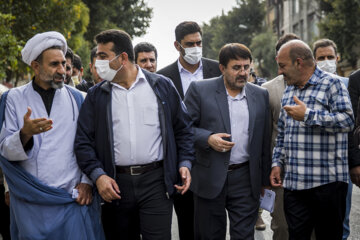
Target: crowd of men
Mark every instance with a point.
(111, 156)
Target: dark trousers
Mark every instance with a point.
(184, 208)
(321, 208)
(4, 216)
(143, 208)
(236, 197)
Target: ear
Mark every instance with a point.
(337, 58)
(177, 46)
(299, 62)
(222, 68)
(36, 67)
(124, 58)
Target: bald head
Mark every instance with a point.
(298, 49)
(295, 62)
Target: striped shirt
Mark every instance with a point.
(313, 152)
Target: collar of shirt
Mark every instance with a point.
(182, 69)
(239, 96)
(140, 77)
(315, 78)
(46, 95)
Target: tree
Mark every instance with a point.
(240, 25)
(79, 21)
(133, 16)
(341, 24)
(69, 17)
(10, 47)
(263, 51)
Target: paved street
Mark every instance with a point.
(267, 234)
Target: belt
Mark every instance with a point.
(139, 169)
(236, 166)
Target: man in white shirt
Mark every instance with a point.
(134, 140)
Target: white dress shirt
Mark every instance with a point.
(136, 125)
(187, 77)
(239, 122)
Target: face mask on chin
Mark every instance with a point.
(192, 55)
(75, 80)
(327, 65)
(104, 71)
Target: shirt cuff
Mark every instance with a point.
(276, 164)
(14, 148)
(185, 163)
(96, 173)
(85, 179)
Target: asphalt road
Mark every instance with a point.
(267, 234)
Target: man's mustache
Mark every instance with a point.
(57, 75)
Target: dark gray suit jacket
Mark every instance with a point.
(207, 104)
(210, 70)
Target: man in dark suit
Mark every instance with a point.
(190, 66)
(232, 141)
(354, 152)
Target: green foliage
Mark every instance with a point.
(341, 24)
(34, 16)
(69, 17)
(263, 51)
(10, 47)
(133, 16)
(77, 20)
(240, 25)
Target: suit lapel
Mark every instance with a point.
(206, 70)
(251, 101)
(221, 99)
(177, 79)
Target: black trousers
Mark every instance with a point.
(236, 197)
(4, 216)
(184, 208)
(321, 209)
(143, 208)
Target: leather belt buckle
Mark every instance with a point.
(133, 170)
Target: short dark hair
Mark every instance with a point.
(40, 57)
(284, 39)
(324, 43)
(69, 54)
(77, 62)
(93, 54)
(185, 28)
(120, 39)
(144, 47)
(233, 51)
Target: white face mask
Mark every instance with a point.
(327, 65)
(104, 71)
(75, 80)
(193, 54)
